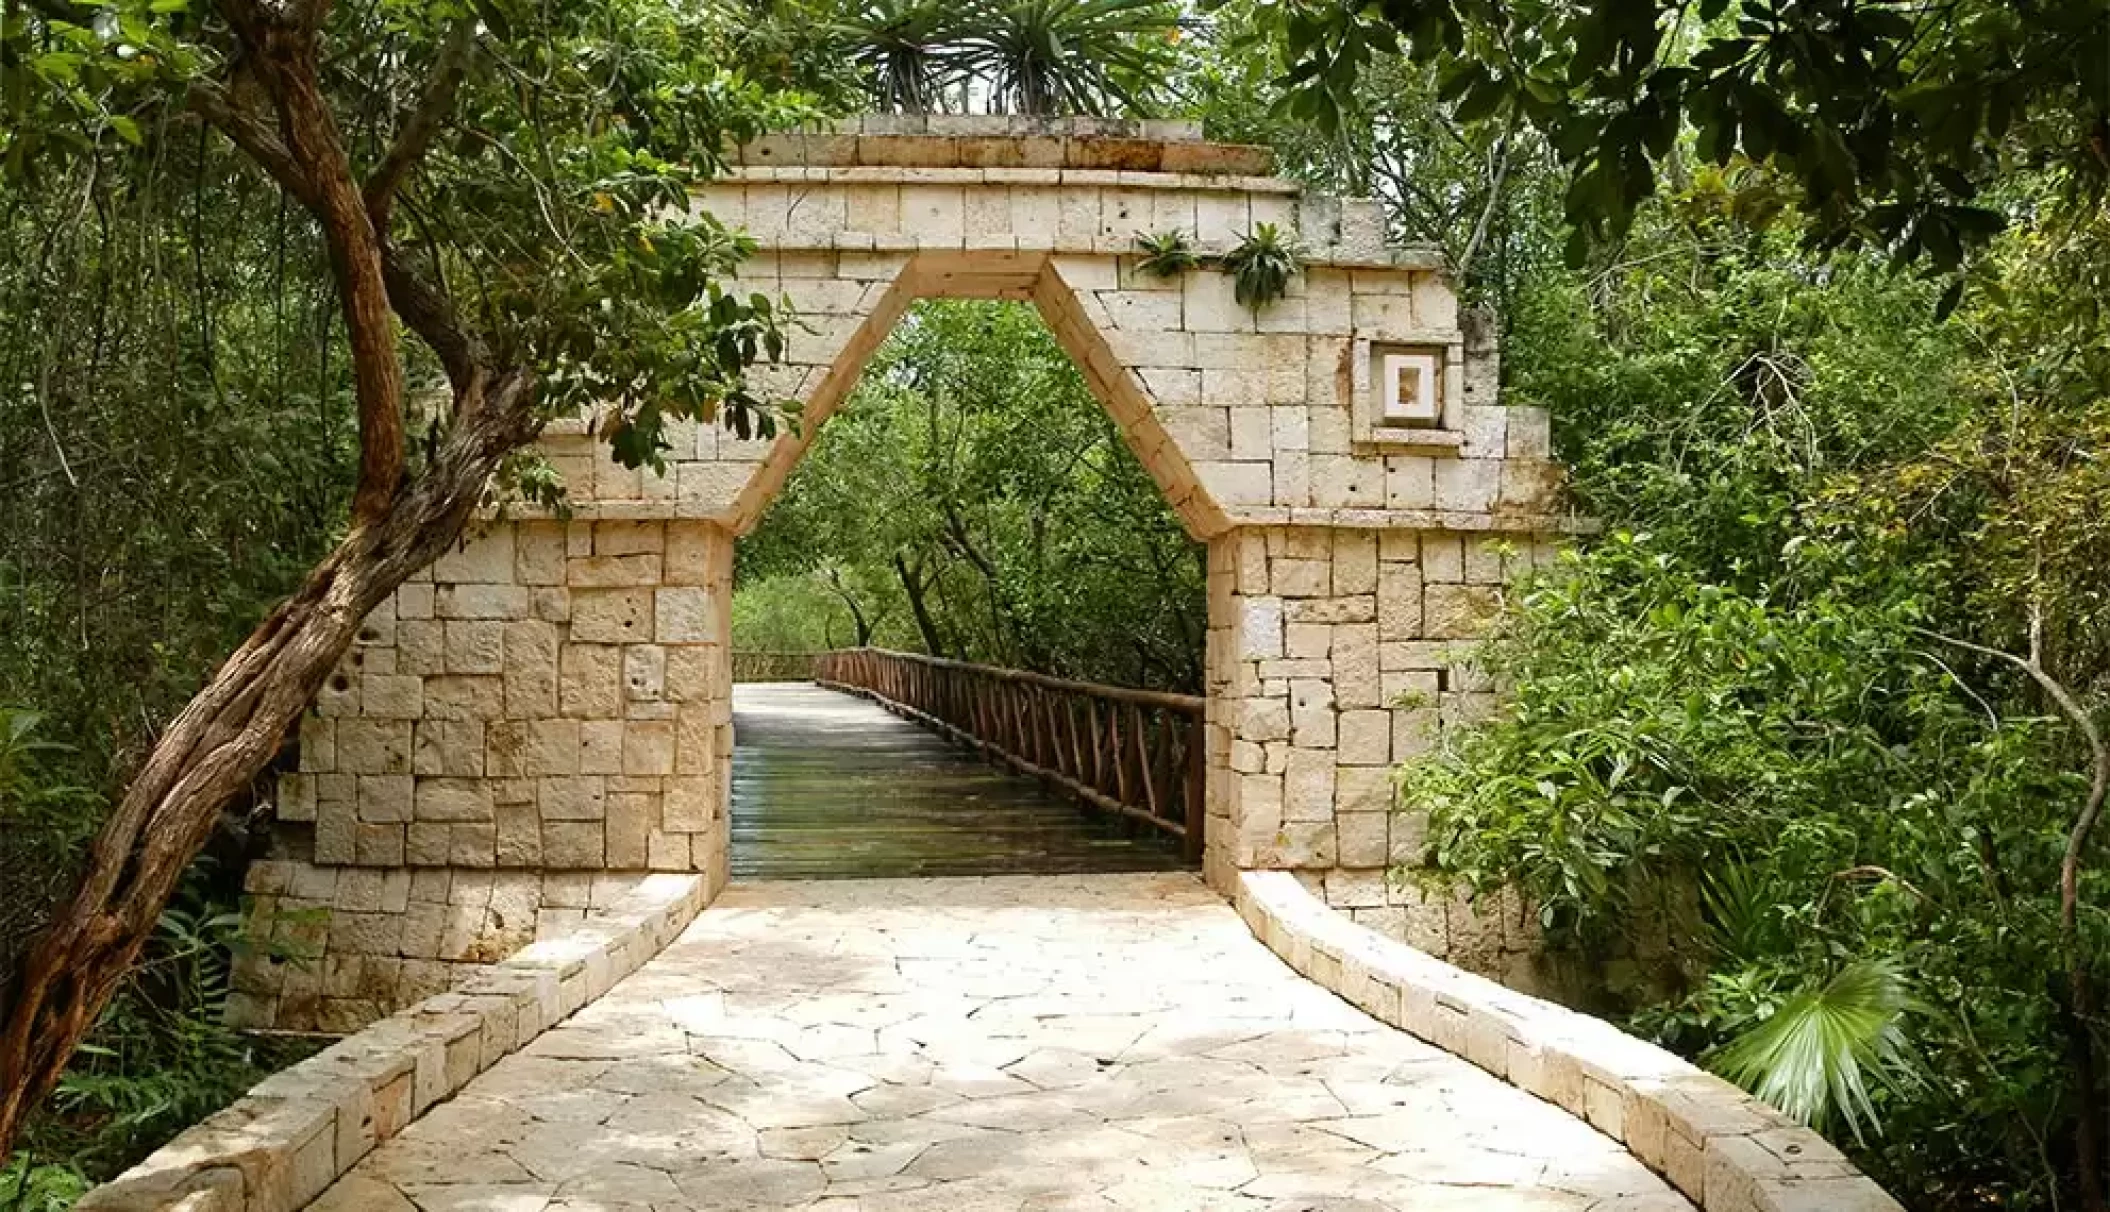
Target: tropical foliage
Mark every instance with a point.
(1823, 707)
(1033, 57)
(975, 501)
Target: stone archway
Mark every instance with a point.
(546, 713)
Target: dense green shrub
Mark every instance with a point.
(1782, 703)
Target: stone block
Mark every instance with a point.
(648, 747)
(538, 553)
(573, 844)
(601, 747)
(613, 571)
(452, 800)
(296, 797)
(1467, 485)
(448, 747)
(1362, 840)
(552, 748)
(385, 798)
(631, 816)
(473, 646)
(517, 836)
(481, 602)
(579, 798)
(421, 647)
(1260, 628)
(531, 677)
(1209, 305)
(1415, 731)
(685, 615)
(413, 601)
(695, 739)
(1353, 608)
(644, 672)
(1308, 786)
(1460, 611)
(464, 697)
(689, 805)
(1311, 714)
(373, 746)
(1307, 641)
(378, 845)
(590, 681)
(1362, 788)
(1306, 845)
(484, 559)
(1365, 737)
(611, 616)
(1301, 578)
(318, 743)
(1357, 681)
(391, 696)
(1399, 602)
(426, 844)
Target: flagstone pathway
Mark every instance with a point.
(1101, 1042)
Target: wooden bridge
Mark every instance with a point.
(891, 764)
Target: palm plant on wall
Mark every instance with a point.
(1071, 56)
(911, 52)
(1036, 57)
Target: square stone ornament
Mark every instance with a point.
(1405, 395)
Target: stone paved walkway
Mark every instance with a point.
(1097, 1042)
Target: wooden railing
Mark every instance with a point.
(773, 666)
(1139, 753)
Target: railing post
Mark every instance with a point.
(1197, 787)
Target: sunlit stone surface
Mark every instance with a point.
(1081, 1042)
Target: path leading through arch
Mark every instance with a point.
(1018, 1043)
(829, 785)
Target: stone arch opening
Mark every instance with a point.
(971, 498)
(1039, 278)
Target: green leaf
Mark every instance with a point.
(1817, 1056)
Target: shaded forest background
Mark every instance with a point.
(1832, 684)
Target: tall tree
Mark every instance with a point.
(506, 183)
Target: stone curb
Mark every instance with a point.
(283, 1144)
(1723, 1149)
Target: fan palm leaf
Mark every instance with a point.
(1817, 1056)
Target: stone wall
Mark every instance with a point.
(1341, 653)
(555, 696)
(548, 702)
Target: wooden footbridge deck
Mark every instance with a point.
(830, 785)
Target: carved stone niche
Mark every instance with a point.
(1408, 395)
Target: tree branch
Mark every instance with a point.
(255, 132)
(279, 52)
(434, 106)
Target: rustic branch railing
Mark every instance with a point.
(1135, 752)
(773, 666)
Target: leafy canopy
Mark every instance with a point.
(1888, 116)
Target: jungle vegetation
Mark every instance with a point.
(1813, 288)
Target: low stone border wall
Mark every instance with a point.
(288, 1139)
(1724, 1149)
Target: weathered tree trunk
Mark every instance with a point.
(219, 743)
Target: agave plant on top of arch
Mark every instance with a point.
(1032, 57)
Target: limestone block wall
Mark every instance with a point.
(1335, 654)
(353, 944)
(555, 696)
(549, 698)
